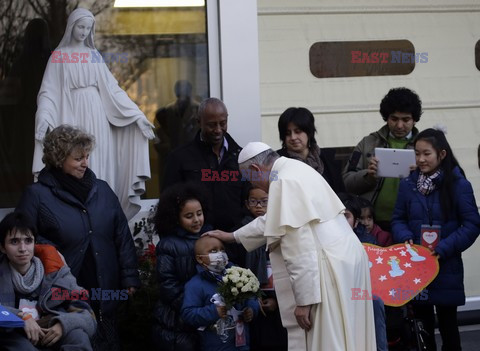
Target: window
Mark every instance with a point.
(157, 54)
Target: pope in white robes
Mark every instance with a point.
(78, 89)
(316, 257)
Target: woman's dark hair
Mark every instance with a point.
(303, 119)
(351, 203)
(439, 142)
(401, 100)
(171, 203)
(17, 222)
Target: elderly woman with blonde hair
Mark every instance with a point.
(82, 217)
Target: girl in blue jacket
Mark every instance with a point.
(436, 208)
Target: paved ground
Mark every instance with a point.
(470, 336)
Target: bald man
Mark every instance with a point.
(211, 159)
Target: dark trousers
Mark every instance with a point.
(16, 340)
(447, 324)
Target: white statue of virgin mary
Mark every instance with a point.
(79, 90)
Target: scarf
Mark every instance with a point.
(80, 188)
(26, 284)
(426, 183)
(313, 158)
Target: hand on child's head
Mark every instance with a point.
(208, 244)
(210, 253)
(247, 315)
(257, 202)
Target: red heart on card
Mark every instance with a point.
(400, 272)
(430, 237)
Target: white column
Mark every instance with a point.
(234, 76)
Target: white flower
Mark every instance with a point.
(245, 289)
(234, 291)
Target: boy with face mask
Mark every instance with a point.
(198, 308)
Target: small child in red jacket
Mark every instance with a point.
(367, 218)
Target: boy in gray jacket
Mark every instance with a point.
(42, 291)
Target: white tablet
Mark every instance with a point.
(394, 163)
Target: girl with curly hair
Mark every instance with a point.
(179, 222)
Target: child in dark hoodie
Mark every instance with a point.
(267, 332)
(367, 218)
(352, 213)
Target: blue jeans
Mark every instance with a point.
(380, 325)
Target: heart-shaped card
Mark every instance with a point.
(400, 272)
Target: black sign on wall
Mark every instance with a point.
(364, 58)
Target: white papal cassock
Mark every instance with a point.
(316, 260)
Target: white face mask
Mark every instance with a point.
(218, 261)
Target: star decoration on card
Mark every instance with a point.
(396, 274)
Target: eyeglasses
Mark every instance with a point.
(254, 203)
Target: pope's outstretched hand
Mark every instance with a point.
(223, 236)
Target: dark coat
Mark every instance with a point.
(63, 221)
(332, 172)
(175, 267)
(458, 233)
(364, 236)
(185, 164)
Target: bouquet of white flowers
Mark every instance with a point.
(238, 284)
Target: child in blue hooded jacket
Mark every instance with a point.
(198, 307)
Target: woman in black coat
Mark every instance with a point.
(179, 222)
(80, 215)
(296, 127)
